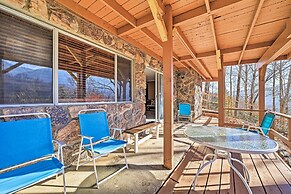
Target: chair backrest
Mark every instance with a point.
(185, 109)
(267, 122)
(94, 124)
(24, 140)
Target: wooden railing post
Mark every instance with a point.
(289, 132)
(221, 96)
(262, 72)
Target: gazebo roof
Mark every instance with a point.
(242, 31)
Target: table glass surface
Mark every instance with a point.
(231, 139)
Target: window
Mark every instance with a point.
(86, 73)
(26, 52)
(123, 79)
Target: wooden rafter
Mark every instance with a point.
(121, 11)
(258, 10)
(142, 47)
(281, 44)
(191, 64)
(159, 20)
(81, 11)
(191, 51)
(151, 36)
(140, 23)
(184, 65)
(229, 50)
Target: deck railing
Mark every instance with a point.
(281, 129)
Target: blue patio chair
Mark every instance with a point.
(96, 139)
(265, 126)
(27, 152)
(184, 111)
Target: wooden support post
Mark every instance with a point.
(221, 95)
(262, 72)
(168, 90)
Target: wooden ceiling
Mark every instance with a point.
(238, 31)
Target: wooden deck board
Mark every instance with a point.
(268, 175)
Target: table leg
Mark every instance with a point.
(135, 142)
(202, 167)
(245, 169)
(229, 159)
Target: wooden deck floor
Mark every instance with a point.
(268, 175)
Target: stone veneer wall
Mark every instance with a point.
(64, 118)
(189, 90)
(122, 115)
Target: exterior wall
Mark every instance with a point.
(64, 118)
(122, 115)
(189, 90)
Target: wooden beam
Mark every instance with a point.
(168, 91)
(151, 36)
(191, 51)
(158, 17)
(254, 20)
(289, 56)
(116, 7)
(81, 11)
(250, 47)
(202, 11)
(281, 44)
(142, 47)
(221, 96)
(262, 72)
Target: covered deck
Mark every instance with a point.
(180, 39)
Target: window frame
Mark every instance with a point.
(82, 38)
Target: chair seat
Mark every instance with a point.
(19, 178)
(108, 146)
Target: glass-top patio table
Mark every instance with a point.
(225, 141)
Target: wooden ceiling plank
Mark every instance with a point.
(158, 17)
(190, 49)
(254, 20)
(81, 11)
(121, 11)
(281, 44)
